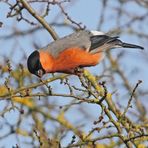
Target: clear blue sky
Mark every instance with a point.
(85, 11)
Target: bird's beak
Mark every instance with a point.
(40, 73)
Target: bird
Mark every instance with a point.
(80, 49)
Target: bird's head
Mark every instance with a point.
(34, 64)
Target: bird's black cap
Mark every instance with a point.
(34, 64)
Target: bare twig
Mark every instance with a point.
(40, 19)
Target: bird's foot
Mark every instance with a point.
(78, 71)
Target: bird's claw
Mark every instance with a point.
(79, 71)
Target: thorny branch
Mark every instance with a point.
(129, 102)
(57, 105)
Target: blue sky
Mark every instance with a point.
(88, 13)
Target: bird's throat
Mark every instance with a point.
(46, 61)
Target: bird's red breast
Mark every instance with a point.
(46, 60)
(69, 59)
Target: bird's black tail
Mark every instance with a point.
(127, 45)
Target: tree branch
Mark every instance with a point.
(40, 19)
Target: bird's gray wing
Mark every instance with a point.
(79, 39)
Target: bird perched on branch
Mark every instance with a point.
(80, 49)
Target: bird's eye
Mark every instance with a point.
(40, 73)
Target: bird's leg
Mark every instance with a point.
(78, 71)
